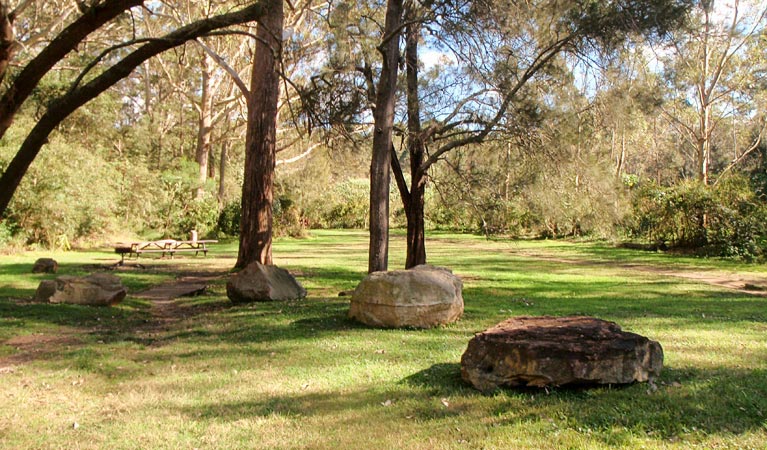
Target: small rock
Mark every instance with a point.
(45, 265)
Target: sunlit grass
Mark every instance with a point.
(301, 375)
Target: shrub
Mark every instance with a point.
(726, 220)
(228, 222)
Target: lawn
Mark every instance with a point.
(299, 374)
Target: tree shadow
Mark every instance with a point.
(439, 379)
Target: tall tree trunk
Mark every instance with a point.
(261, 140)
(414, 210)
(8, 44)
(222, 174)
(383, 118)
(204, 125)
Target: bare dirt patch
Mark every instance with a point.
(30, 347)
(165, 311)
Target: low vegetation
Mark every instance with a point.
(301, 375)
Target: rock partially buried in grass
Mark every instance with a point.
(45, 265)
(557, 351)
(98, 289)
(263, 283)
(422, 297)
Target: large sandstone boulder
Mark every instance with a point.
(556, 351)
(98, 289)
(45, 265)
(263, 283)
(422, 297)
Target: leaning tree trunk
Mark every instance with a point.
(70, 37)
(414, 208)
(65, 105)
(261, 140)
(383, 117)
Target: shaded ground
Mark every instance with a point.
(165, 309)
(749, 283)
(164, 312)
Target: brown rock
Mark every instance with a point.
(556, 351)
(422, 297)
(45, 265)
(261, 283)
(98, 289)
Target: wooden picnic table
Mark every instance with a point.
(164, 246)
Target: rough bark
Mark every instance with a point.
(261, 141)
(8, 46)
(383, 118)
(414, 209)
(66, 41)
(62, 107)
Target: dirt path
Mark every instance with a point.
(746, 283)
(165, 311)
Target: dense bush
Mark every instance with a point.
(286, 219)
(724, 220)
(344, 205)
(57, 205)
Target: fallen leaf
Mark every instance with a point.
(380, 351)
(386, 403)
(445, 402)
(305, 386)
(75, 426)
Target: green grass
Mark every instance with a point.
(301, 375)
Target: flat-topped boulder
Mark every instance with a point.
(98, 289)
(263, 283)
(557, 351)
(422, 297)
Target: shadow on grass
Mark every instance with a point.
(439, 379)
(718, 401)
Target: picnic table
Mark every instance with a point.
(164, 246)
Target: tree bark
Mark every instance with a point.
(383, 118)
(204, 125)
(8, 45)
(261, 140)
(65, 105)
(414, 209)
(222, 174)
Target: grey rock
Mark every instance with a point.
(98, 289)
(263, 283)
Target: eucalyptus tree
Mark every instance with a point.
(96, 16)
(711, 70)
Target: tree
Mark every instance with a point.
(707, 68)
(478, 99)
(383, 125)
(261, 139)
(80, 93)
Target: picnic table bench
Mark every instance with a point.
(164, 246)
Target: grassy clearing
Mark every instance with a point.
(300, 375)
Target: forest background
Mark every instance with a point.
(659, 142)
